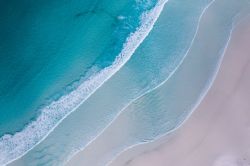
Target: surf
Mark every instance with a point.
(15, 146)
(165, 109)
(82, 126)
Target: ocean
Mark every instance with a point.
(78, 64)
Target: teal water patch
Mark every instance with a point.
(46, 45)
(92, 49)
(165, 109)
(156, 58)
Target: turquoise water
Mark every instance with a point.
(164, 109)
(46, 45)
(157, 57)
(56, 54)
(51, 48)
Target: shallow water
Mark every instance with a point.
(157, 57)
(164, 109)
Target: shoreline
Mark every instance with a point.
(75, 157)
(103, 144)
(174, 146)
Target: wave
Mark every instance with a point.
(15, 146)
(135, 121)
(183, 118)
(144, 94)
(129, 83)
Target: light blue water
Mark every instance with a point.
(50, 48)
(151, 64)
(165, 109)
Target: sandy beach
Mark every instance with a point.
(218, 132)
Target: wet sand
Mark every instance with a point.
(218, 132)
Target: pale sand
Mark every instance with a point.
(218, 132)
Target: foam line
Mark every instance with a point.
(178, 125)
(15, 146)
(198, 102)
(159, 85)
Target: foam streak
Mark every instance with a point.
(15, 146)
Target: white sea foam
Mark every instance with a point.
(15, 146)
(158, 86)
